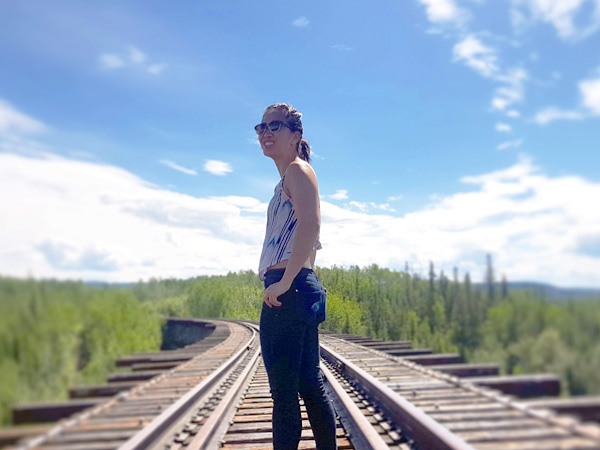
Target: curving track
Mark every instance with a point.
(216, 395)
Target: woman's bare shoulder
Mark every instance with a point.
(300, 177)
(300, 168)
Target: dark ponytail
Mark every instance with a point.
(294, 120)
(304, 150)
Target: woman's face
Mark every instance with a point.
(277, 142)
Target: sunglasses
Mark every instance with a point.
(271, 126)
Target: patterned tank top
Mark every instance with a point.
(281, 231)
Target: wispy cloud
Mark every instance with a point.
(301, 22)
(443, 12)
(12, 120)
(136, 55)
(156, 69)
(340, 194)
(513, 89)
(572, 19)
(551, 114)
(589, 106)
(368, 206)
(382, 206)
(110, 61)
(132, 57)
(177, 167)
(560, 14)
(590, 93)
(477, 56)
(510, 144)
(342, 48)
(476, 52)
(359, 205)
(484, 60)
(217, 167)
(394, 198)
(503, 128)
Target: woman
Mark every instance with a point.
(294, 299)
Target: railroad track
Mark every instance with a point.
(215, 394)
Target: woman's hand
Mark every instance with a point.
(274, 291)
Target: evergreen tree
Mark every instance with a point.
(489, 279)
(504, 286)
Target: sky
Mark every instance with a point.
(441, 131)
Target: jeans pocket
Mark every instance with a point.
(311, 306)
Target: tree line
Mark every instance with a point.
(56, 334)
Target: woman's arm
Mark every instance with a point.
(301, 183)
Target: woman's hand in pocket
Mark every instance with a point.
(274, 291)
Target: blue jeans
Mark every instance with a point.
(290, 350)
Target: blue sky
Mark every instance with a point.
(442, 130)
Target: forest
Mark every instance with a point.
(56, 334)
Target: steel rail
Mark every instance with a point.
(426, 432)
(165, 421)
(361, 433)
(74, 420)
(569, 424)
(210, 434)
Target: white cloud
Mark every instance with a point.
(590, 93)
(513, 90)
(12, 120)
(98, 223)
(474, 54)
(471, 50)
(394, 198)
(562, 14)
(133, 57)
(572, 19)
(532, 224)
(217, 167)
(104, 223)
(342, 48)
(510, 144)
(248, 204)
(110, 61)
(551, 114)
(503, 128)
(301, 22)
(359, 205)
(175, 166)
(340, 194)
(444, 12)
(589, 105)
(136, 55)
(156, 69)
(382, 206)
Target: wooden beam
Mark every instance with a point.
(522, 386)
(468, 370)
(51, 412)
(100, 390)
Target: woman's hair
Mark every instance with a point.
(294, 120)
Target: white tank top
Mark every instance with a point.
(281, 231)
